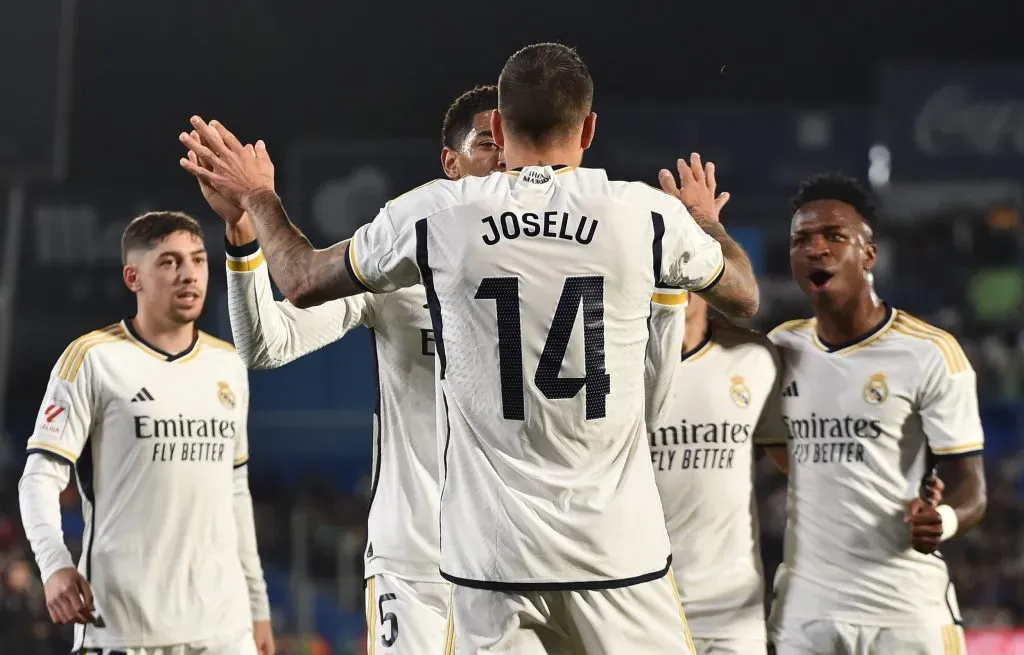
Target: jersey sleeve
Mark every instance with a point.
(269, 333)
(381, 255)
(69, 406)
(667, 328)
(690, 258)
(242, 435)
(948, 403)
(771, 429)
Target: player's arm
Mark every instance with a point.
(770, 432)
(667, 327)
(948, 406)
(245, 524)
(269, 333)
(702, 256)
(62, 429)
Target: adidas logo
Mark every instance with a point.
(790, 391)
(142, 396)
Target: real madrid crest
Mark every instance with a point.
(225, 395)
(876, 390)
(739, 392)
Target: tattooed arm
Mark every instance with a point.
(306, 276)
(736, 292)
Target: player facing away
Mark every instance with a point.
(406, 598)
(151, 415)
(873, 399)
(703, 452)
(539, 284)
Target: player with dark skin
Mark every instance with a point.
(832, 255)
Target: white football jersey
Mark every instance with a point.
(153, 439)
(865, 422)
(403, 531)
(539, 285)
(727, 402)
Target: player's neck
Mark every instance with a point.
(521, 155)
(845, 322)
(696, 331)
(168, 336)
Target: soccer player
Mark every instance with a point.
(539, 285)
(873, 398)
(727, 405)
(151, 415)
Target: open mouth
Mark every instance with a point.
(187, 296)
(819, 279)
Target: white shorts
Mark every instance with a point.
(838, 638)
(644, 618)
(244, 645)
(405, 617)
(742, 646)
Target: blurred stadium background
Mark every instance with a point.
(925, 103)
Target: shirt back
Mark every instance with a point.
(539, 288)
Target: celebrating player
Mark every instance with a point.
(539, 285)
(872, 398)
(151, 414)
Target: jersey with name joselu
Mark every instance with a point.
(726, 404)
(153, 439)
(539, 286)
(402, 530)
(865, 421)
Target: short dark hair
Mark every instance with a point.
(545, 91)
(458, 120)
(839, 187)
(149, 229)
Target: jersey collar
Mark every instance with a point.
(137, 339)
(861, 341)
(700, 349)
(558, 168)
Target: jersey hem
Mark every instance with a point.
(165, 641)
(943, 457)
(715, 279)
(587, 585)
(868, 621)
(414, 577)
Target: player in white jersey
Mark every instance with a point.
(873, 398)
(539, 284)
(726, 407)
(151, 415)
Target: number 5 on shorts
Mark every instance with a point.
(390, 636)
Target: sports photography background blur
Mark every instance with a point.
(924, 101)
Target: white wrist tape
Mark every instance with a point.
(950, 523)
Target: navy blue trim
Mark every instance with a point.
(352, 272)
(84, 471)
(939, 457)
(241, 464)
(166, 355)
(703, 342)
(711, 285)
(377, 438)
(590, 585)
(243, 250)
(433, 304)
(658, 222)
(833, 347)
(48, 453)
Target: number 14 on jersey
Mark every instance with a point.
(583, 291)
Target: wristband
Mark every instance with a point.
(950, 522)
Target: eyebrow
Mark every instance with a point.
(484, 133)
(171, 253)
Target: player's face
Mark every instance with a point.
(172, 278)
(832, 250)
(478, 154)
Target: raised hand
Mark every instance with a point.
(223, 206)
(696, 189)
(235, 171)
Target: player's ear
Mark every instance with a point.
(497, 131)
(870, 255)
(589, 127)
(131, 278)
(450, 163)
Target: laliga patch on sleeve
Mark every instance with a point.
(53, 418)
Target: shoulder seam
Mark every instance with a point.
(215, 342)
(948, 347)
(70, 363)
(790, 326)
